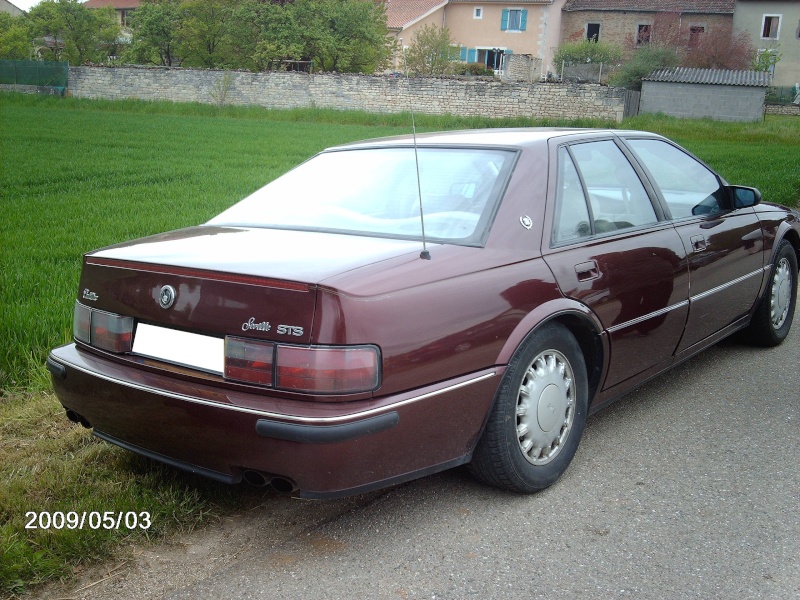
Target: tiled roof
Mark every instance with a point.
(117, 4)
(710, 77)
(507, 2)
(681, 6)
(399, 13)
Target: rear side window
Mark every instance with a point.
(598, 192)
(688, 187)
(572, 213)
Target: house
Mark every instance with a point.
(486, 31)
(774, 27)
(8, 7)
(123, 8)
(699, 93)
(631, 22)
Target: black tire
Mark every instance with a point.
(538, 416)
(773, 318)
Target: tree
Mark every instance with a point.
(206, 33)
(348, 36)
(263, 33)
(15, 38)
(431, 52)
(721, 48)
(156, 33)
(68, 30)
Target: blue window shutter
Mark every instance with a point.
(507, 52)
(523, 20)
(504, 20)
(472, 55)
(463, 53)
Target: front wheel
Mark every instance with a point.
(773, 317)
(539, 414)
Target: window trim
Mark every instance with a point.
(477, 12)
(764, 18)
(639, 28)
(505, 19)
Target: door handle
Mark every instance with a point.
(698, 243)
(587, 271)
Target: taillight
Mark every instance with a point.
(327, 370)
(249, 360)
(82, 322)
(103, 330)
(314, 369)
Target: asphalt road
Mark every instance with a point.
(687, 488)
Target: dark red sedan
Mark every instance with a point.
(390, 309)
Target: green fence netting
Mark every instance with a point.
(38, 73)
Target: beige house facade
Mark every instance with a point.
(12, 9)
(774, 27)
(487, 31)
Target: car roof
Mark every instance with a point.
(519, 137)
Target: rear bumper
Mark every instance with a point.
(326, 449)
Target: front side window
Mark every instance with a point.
(374, 192)
(598, 191)
(688, 187)
(478, 13)
(593, 31)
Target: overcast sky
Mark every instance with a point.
(24, 4)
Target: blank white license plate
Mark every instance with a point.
(181, 348)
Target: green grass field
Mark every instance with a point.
(77, 175)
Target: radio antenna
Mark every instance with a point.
(424, 254)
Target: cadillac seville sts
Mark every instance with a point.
(393, 308)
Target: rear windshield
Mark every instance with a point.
(375, 192)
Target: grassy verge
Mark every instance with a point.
(77, 175)
(48, 465)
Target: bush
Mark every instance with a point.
(644, 61)
(475, 69)
(587, 51)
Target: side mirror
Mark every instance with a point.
(744, 197)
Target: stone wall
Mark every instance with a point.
(350, 92)
(696, 101)
(787, 110)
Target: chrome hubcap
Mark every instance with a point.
(781, 293)
(545, 407)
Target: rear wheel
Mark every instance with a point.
(773, 317)
(539, 414)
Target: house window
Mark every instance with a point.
(695, 35)
(126, 17)
(643, 34)
(770, 27)
(593, 31)
(491, 57)
(514, 19)
(478, 13)
(767, 57)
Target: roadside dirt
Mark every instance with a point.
(155, 570)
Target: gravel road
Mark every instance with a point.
(688, 487)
